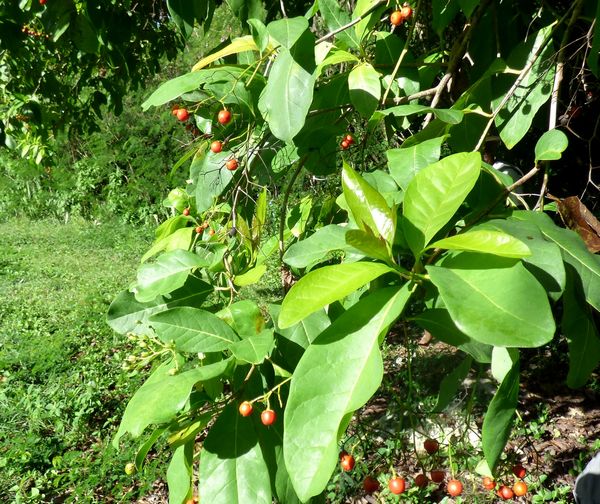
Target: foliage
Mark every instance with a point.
(61, 379)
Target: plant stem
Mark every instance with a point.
(286, 198)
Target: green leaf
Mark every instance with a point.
(143, 450)
(435, 194)
(499, 416)
(494, 300)
(450, 383)
(406, 162)
(162, 396)
(362, 6)
(365, 88)
(126, 314)
(468, 6)
(574, 252)
(179, 239)
(503, 359)
(580, 330)
(324, 286)
(171, 225)
(335, 17)
(444, 12)
(594, 54)
(317, 247)
(369, 244)
(254, 349)
(337, 374)
(450, 116)
(260, 34)
(251, 276)
(369, 208)
(288, 31)
(211, 177)
(174, 88)
(488, 242)
(245, 317)
(439, 323)
(514, 120)
(232, 466)
(179, 473)
(193, 330)
(169, 272)
(551, 145)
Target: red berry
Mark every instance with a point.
(520, 488)
(268, 416)
(347, 462)
(174, 109)
(437, 476)
(519, 471)
(406, 12)
(216, 146)
(505, 493)
(397, 485)
(182, 114)
(421, 480)
(199, 229)
(245, 408)
(454, 488)
(489, 483)
(345, 144)
(186, 211)
(349, 138)
(370, 485)
(224, 116)
(232, 164)
(42, 2)
(431, 446)
(396, 18)
(211, 232)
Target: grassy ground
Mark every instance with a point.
(62, 390)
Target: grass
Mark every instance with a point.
(62, 389)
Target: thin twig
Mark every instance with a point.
(286, 198)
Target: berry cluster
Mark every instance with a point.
(399, 16)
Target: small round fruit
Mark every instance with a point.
(174, 109)
(520, 488)
(211, 232)
(347, 462)
(437, 476)
(349, 138)
(519, 471)
(489, 483)
(342, 454)
(216, 146)
(421, 480)
(431, 446)
(454, 488)
(199, 229)
(42, 2)
(396, 18)
(182, 114)
(232, 164)
(397, 485)
(245, 409)
(371, 485)
(406, 12)
(186, 211)
(224, 116)
(345, 144)
(268, 417)
(129, 468)
(505, 493)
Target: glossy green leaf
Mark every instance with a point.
(365, 88)
(514, 120)
(179, 473)
(435, 194)
(369, 208)
(162, 396)
(450, 116)
(288, 31)
(251, 276)
(260, 34)
(369, 244)
(126, 314)
(317, 247)
(193, 330)
(368, 20)
(439, 323)
(443, 12)
(503, 359)
(245, 317)
(171, 225)
(254, 349)
(494, 300)
(179, 239)
(450, 383)
(468, 6)
(325, 285)
(211, 178)
(406, 162)
(488, 242)
(167, 273)
(551, 145)
(337, 374)
(143, 450)
(582, 335)
(574, 252)
(499, 416)
(336, 17)
(232, 465)
(286, 99)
